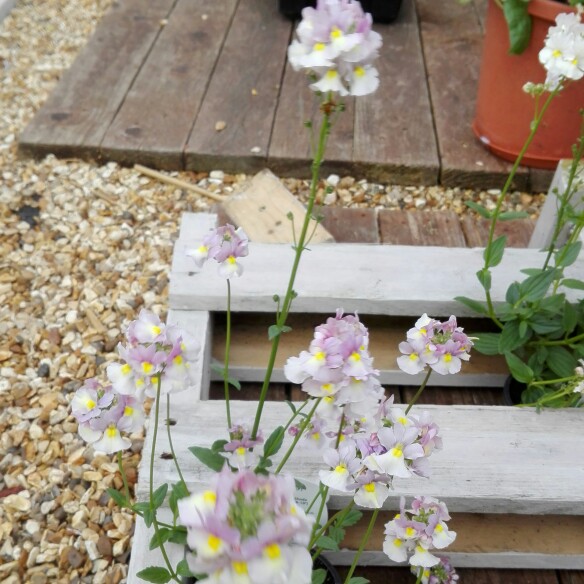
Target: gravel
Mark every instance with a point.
(82, 248)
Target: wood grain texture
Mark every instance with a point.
(493, 450)
(452, 42)
(571, 577)
(243, 92)
(155, 120)
(77, 114)
(517, 231)
(409, 228)
(262, 210)
(351, 225)
(394, 135)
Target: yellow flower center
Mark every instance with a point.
(239, 568)
(128, 411)
(336, 33)
(341, 468)
(156, 329)
(397, 542)
(273, 551)
(178, 360)
(397, 451)
(556, 53)
(231, 260)
(320, 356)
(111, 431)
(209, 497)
(424, 331)
(147, 367)
(319, 46)
(139, 382)
(329, 399)
(331, 74)
(240, 451)
(327, 387)
(203, 249)
(413, 357)
(447, 357)
(410, 531)
(316, 436)
(356, 357)
(403, 421)
(370, 487)
(439, 528)
(359, 71)
(126, 369)
(214, 542)
(90, 404)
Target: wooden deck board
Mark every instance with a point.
(78, 113)
(394, 138)
(155, 120)
(243, 92)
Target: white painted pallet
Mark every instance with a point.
(496, 460)
(6, 7)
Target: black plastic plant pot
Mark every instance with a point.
(383, 11)
(332, 576)
(512, 391)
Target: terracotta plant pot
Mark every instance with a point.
(504, 112)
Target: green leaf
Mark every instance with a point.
(472, 304)
(510, 215)
(567, 255)
(484, 277)
(326, 543)
(159, 538)
(290, 405)
(141, 507)
(178, 491)
(493, 254)
(535, 287)
(148, 516)
(573, 283)
(569, 317)
(218, 445)
(519, 22)
(487, 343)
(510, 338)
(518, 368)
(159, 495)
(178, 535)
(182, 569)
(155, 574)
(482, 211)
(336, 533)
(119, 499)
(274, 442)
(561, 361)
(358, 580)
(512, 295)
(318, 576)
(276, 330)
(523, 329)
(220, 369)
(211, 459)
(543, 325)
(300, 486)
(531, 271)
(350, 518)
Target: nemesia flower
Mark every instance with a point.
(563, 53)
(90, 399)
(336, 45)
(441, 345)
(413, 533)
(441, 573)
(225, 245)
(247, 528)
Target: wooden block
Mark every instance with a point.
(155, 120)
(411, 228)
(78, 113)
(452, 41)
(256, 44)
(262, 209)
(351, 225)
(476, 231)
(358, 277)
(491, 450)
(394, 134)
(250, 349)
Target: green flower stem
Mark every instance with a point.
(124, 477)
(152, 458)
(226, 364)
(419, 392)
(362, 545)
(497, 211)
(339, 515)
(420, 573)
(321, 489)
(169, 433)
(554, 381)
(303, 426)
(295, 414)
(288, 298)
(567, 341)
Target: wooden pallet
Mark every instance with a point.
(157, 76)
(506, 473)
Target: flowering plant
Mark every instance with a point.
(541, 330)
(246, 526)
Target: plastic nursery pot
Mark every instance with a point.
(332, 576)
(504, 111)
(384, 11)
(512, 391)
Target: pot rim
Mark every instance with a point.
(548, 9)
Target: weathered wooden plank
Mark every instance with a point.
(249, 391)
(243, 92)
(491, 449)
(78, 113)
(572, 577)
(262, 210)
(351, 225)
(155, 120)
(394, 134)
(250, 349)
(452, 40)
(411, 228)
(290, 152)
(359, 277)
(540, 180)
(476, 231)
(468, 395)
